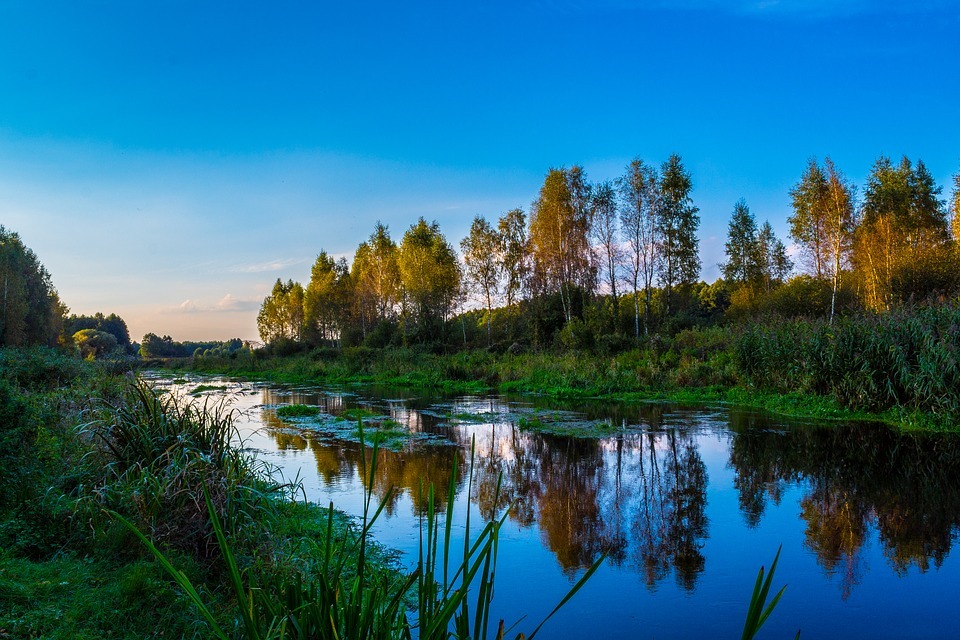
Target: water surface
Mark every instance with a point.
(686, 503)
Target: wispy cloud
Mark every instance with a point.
(266, 267)
(227, 304)
(230, 302)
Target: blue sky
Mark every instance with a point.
(168, 161)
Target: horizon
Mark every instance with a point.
(172, 176)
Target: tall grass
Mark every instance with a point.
(907, 359)
(157, 453)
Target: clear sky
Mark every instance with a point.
(168, 161)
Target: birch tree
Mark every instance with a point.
(483, 263)
(605, 232)
(640, 227)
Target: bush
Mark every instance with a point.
(18, 432)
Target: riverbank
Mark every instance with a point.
(701, 367)
(85, 451)
(131, 512)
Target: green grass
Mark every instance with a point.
(203, 388)
(296, 411)
(76, 598)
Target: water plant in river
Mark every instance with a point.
(296, 411)
(759, 610)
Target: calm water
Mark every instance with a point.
(687, 503)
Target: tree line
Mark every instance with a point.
(621, 258)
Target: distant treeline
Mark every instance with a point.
(154, 346)
(609, 262)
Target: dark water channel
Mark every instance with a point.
(687, 503)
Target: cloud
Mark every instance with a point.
(187, 306)
(264, 267)
(230, 302)
(227, 304)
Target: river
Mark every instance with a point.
(687, 503)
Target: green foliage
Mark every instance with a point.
(930, 275)
(112, 324)
(430, 275)
(154, 346)
(759, 610)
(296, 411)
(908, 360)
(559, 237)
(94, 344)
(30, 309)
(484, 263)
(282, 312)
(76, 598)
(327, 300)
(17, 438)
(162, 451)
(679, 221)
(743, 260)
(800, 296)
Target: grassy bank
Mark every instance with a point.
(85, 448)
(899, 369)
(127, 513)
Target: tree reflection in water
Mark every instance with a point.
(641, 495)
(860, 476)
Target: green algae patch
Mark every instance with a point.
(204, 388)
(382, 430)
(296, 411)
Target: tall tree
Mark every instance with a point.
(743, 265)
(282, 313)
(376, 277)
(559, 237)
(808, 224)
(484, 263)
(641, 227)
(824, 221)
(326, 300)
(841, 223)
(603, 207)
(30, 309)
(902, 219)
(756, 258)
(774, 265)
(514, 250)
(429, 273)
(679, 221)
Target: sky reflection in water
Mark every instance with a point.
(687, 503)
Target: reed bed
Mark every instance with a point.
(908, 360)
